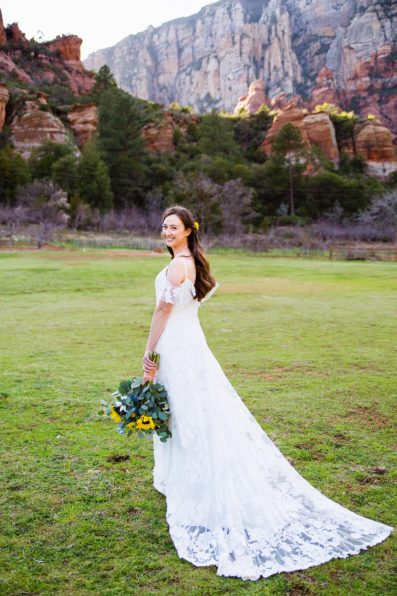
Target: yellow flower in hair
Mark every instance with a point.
(196, 225)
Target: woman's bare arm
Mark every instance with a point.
(159, 321)
(161, 314)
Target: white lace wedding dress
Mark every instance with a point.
(233, 500)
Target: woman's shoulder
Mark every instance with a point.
(183, 266)
(176, 270)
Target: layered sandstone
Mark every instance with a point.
(326, 89)
(34, 125)
(210, 59)
(68, 47)
(4, 97)
(374, 142)
(61, 63)
(83, 120)
(316, 130)
(255, 99)
(3, 36)
(291, 114)
(15, 35)
(8, 67)
(370, 139)
(320, 133)
(159, 136)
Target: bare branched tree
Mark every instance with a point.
(12, 219)
(236, 203)
(46, 205)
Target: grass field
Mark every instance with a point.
(309, 345)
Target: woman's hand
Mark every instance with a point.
(149, 367)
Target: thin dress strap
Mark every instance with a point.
(184, 262)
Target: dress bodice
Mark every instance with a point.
(180, 296)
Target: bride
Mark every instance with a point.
(233, 500)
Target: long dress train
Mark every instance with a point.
(233, 500)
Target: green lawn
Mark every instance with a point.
(310, 345)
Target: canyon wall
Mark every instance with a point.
(344, 49)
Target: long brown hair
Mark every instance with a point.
(204, 280)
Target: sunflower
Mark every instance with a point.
(131, 424)
(145, 422)
(115, 415)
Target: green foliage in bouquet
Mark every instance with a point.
(141, 406)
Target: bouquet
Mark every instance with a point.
(141, 406)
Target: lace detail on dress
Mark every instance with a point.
(233, 499)
(255, 552)
(173, 294)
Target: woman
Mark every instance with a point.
(233, 500)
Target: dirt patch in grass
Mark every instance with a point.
(340, 439)
(117, 458)
(375, 476)
(368, 416)
(312, 447)
(134, 510)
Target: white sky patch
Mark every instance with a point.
(97, 27)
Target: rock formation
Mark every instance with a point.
(374, 142)
(8, 68)
(290, 115)
(69, 48)
(295, 47)
(159, 136)
(254, 100)
(326, 90)
(15, 35)
(3, 36)
(55, 62)
(83, 120)
(371, 139)
(320, 133)
(34, 125)
(4, 96)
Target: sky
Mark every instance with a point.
(98, 28)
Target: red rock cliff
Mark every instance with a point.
(372, 140)
(3, 36)
(62, 62)
(68, 47)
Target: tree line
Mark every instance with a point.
(217, 169)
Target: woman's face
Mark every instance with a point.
(174, 232)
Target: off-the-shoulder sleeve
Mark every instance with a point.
(174, 294)
(210, 293)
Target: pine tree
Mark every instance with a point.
(288, 146)
(93, 179)
(13, 172)
(216, 137)
(121, 118)
(104, 80)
